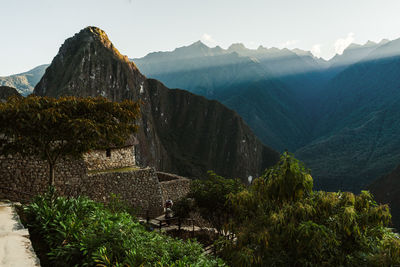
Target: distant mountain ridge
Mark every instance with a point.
(24, 82)
(294, 100)
(178, 132)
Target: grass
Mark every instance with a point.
(124, 169)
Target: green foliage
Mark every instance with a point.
(288, 180)
(183, 207)
(81, 232)
(69, 126)
(116, 205)
(210, 196)
(280, 221)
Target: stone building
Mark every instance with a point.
(97, 175)
(113, 157)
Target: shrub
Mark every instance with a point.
(81, 232)
(210, 198)
(281, 221)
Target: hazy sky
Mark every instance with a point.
(33, 30)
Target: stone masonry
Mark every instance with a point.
(110, 159)
(173, 187)
(139, 189)
(21, 178)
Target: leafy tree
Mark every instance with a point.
(281, 221)
(210, 196)
(69, 126)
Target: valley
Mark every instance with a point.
(337, 116)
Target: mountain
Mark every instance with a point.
(338, 116)
(355, 133)
(351, 55)
(6, 92)
(178, 131)
(248, 81)
(199, 69)
(24, 82)
(387, 191)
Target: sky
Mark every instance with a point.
(32, 31)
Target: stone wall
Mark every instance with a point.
(117, 158)
(173, 187)
(164, 176)
(30, 176)
(139, 188)
(23, 178)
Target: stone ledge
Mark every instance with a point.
(15, 245)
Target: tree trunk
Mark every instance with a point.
(51, 175)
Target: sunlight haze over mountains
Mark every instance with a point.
(34, 30)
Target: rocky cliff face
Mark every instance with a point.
(178, 131)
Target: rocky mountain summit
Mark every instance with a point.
(178, 131)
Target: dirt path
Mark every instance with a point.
(15, 245)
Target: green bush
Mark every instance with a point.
(183, 207)
(281, 221)
(210, 198)
(81, 232)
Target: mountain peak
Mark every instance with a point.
(301, 52)
(199, 43)
(91, 33)
(261, 48)
(88, 61)
(353, 46)
(88, 36)
(237, 47)
(384, 41)
(370, 43)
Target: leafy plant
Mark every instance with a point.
(210, 198)
(81, 232)
(116, 204)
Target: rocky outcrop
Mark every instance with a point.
(178, 131)
(6, 92)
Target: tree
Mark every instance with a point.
(210, 198)
(69, 126)
(281, 221)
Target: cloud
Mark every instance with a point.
(207, 39)
(316, 50)
(341, 43)
(289, 43)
